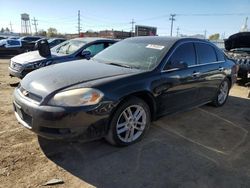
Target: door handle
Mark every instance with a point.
(221, 69)
(196, 74)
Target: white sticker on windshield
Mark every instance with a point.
(154, 46)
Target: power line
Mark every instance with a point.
(172, 19)
(215, 14)
(35, 23)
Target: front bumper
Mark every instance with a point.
(62, 122)
(15, 73)
(19, 73)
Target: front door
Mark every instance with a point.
(180, 81)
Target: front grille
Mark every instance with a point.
(30, 95)
(24, 116)
(27, 118)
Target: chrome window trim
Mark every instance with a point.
(197, 64)
(217, 62)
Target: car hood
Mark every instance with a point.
(30, 57)
(49, 79)
(238, 40)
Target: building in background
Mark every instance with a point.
(141, 30)
(115, 34)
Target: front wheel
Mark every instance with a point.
(129, 123)
(222, 93)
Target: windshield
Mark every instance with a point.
(132, 54)
(50, 40)
(68, 47)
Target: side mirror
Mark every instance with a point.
(86, 54)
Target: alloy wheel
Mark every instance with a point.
(223, 92)
(131, 123)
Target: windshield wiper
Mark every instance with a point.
(121, 65)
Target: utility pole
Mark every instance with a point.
(35, 23)
(132, 25)
(11, 28)
(172, 19)
(223, 35)
(79, 23)
(205, 34)
(177, 31)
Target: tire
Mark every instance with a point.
(125, 129)
(222, 93)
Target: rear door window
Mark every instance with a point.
(220, 55)
(206, 53)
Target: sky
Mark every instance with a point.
(192, 16)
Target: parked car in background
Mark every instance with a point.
(238, 48)
(55, 41)
(16, 45)
(11, 47)
(79, 48)
(2, 37)
(122, 89)
(28, 42)
(30, 38)
(14, 37)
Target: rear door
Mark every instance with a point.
(180, 80)
(211, 70)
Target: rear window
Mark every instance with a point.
(220, 55)
(206, 53)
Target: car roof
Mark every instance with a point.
(163, 39)
(57, 39)
(92, 39)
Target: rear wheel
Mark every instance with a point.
(222, 93)
(129, 123)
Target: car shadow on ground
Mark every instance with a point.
(179, 154)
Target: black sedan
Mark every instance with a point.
(79, 48)
(121, 90)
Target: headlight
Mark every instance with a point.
(15, 65)
(77, 97)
